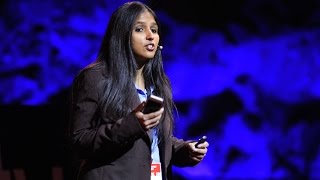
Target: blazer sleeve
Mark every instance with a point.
(90, 133)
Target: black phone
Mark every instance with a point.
(200, 141)
(153, 103)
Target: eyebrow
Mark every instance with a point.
(141, 22)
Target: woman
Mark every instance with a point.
(109, 134)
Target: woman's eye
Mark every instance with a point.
(154, 30)
(138, 29)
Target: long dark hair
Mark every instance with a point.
(117, 57)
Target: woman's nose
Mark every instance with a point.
(149, 35)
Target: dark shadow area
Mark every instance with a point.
(33, 138)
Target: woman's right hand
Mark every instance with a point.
(148, 121)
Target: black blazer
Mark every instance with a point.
(116, 151)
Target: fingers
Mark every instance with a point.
(151, 123)
(152, 119)
(197, 158)
(197, 154)
(203, 145)
(148, 121)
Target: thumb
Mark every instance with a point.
(140, 106)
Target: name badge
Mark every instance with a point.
(156, 171)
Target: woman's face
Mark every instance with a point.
(145, 37)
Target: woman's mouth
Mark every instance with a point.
(150, 47)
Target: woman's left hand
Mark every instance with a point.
(197, 154)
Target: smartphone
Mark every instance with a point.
(153, 103)
(200, 141)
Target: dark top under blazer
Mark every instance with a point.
(118, 150)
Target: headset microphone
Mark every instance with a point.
(160, 47)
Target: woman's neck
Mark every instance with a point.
(139, 81)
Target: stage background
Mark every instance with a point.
(244, 73)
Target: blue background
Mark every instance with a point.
(244, 73)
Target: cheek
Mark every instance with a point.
(133, 44)
(157, 39)
(136, 44)
(135, 41)
(136, 49)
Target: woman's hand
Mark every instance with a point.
(197, 154)
(148, 121)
